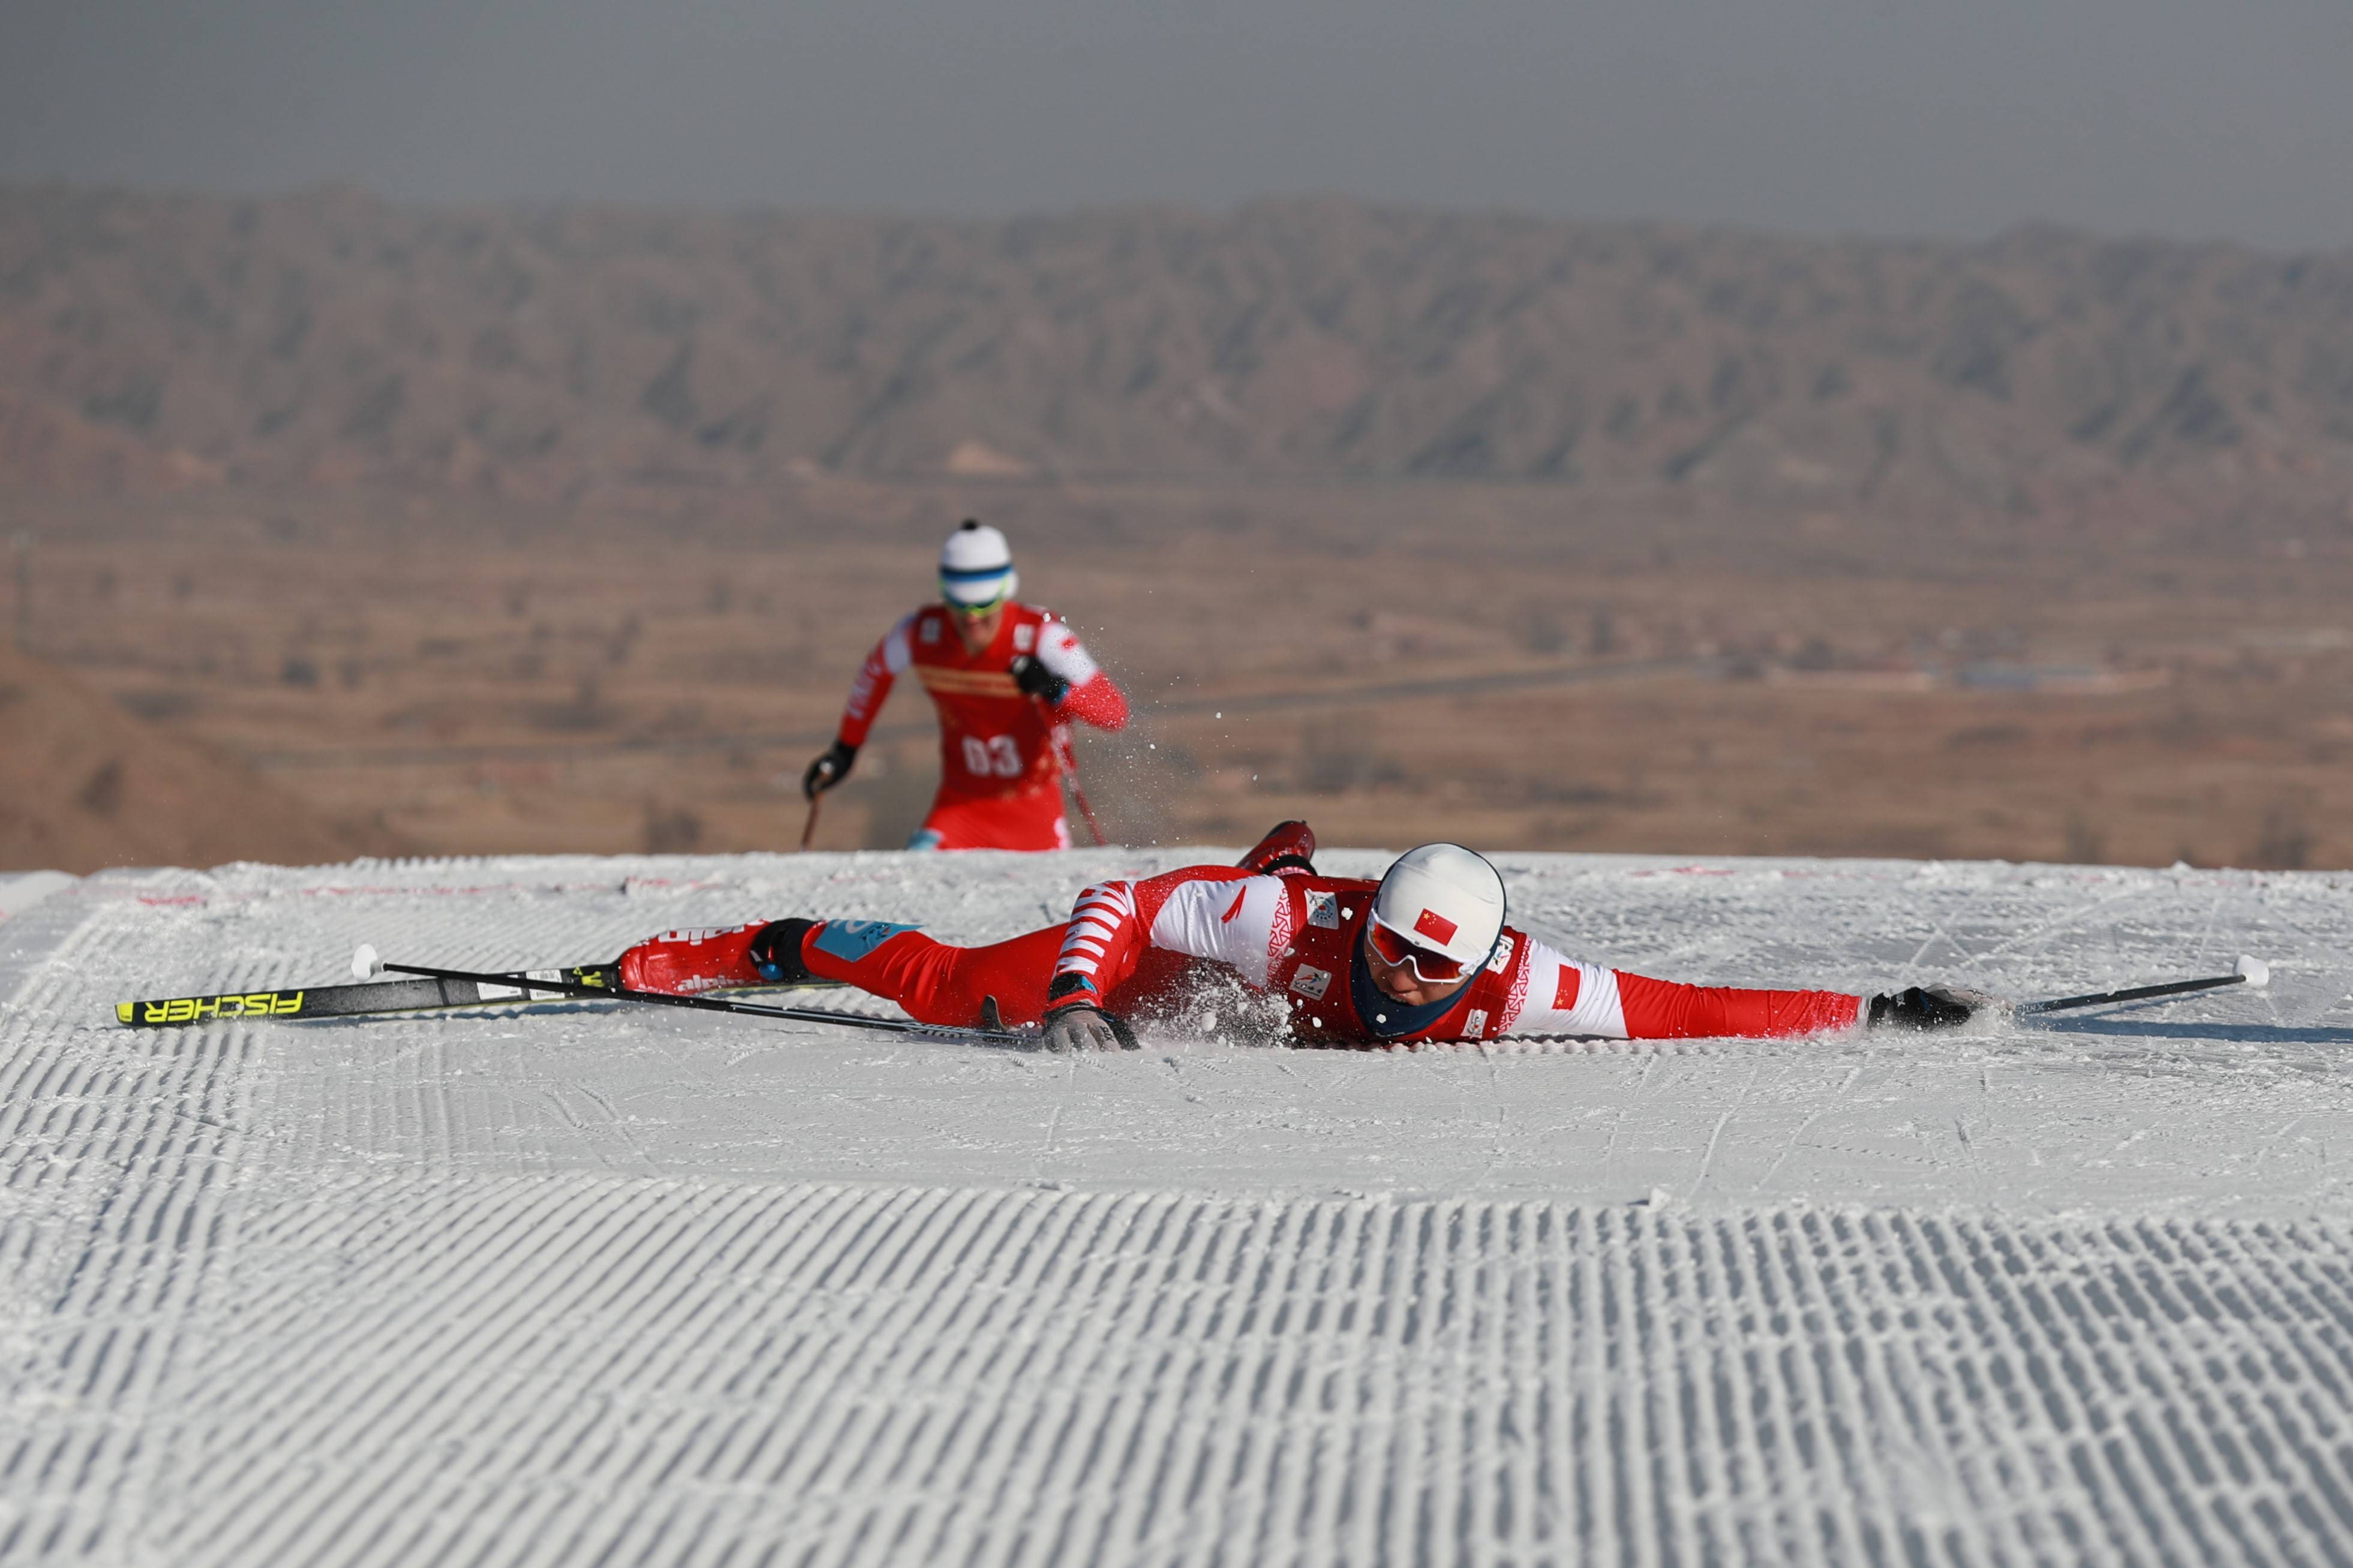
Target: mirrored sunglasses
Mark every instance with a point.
(1430, 968)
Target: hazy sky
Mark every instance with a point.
(2229, 118)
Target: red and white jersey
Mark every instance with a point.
(1299, 935)
(994, 739)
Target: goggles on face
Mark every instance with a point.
(1430, 968)
(959, 588)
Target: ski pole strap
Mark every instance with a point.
(2131, 994)
(721, 1005)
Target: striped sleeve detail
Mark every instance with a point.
(1101, 931)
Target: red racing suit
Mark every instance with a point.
(1000, 749)
(1302, 936)
(1293, 934)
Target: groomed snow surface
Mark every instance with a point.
(594, 1283)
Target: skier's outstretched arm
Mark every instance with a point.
(867, 695)
(1664, 1010)
(1566, 997)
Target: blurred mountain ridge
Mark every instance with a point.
(154, 340)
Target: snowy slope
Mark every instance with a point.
(20, 890)
(586, 1282)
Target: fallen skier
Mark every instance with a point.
(1421, 955)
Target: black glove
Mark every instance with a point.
(1036, 680)
(829, 770)
(1083, 1027)
(1936, 1007)
(1074, 1022)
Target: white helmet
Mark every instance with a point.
(1443, 898)
(976, 567)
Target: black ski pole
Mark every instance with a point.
(716, 1004)
(2250, 972)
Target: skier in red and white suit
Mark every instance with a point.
(1007, 679)
(1422, 954)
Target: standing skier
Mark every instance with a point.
(1007, 679)
(1421, 955)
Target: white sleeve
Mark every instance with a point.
(1060, 650)
(1233, 921)
(875, 676)
(897, 649)
(1566, 997)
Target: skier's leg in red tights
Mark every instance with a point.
(935, 983)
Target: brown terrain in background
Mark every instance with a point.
(384, 530)
(84, 783)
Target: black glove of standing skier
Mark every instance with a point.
(1934, 1007)
(829, 770)
(1035, 679)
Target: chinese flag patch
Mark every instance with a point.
(1564, 993)
(1436, 927)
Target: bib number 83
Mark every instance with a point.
(996, 757)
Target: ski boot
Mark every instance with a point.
(682, 963)
(1288, 846)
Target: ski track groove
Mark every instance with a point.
(382, 1293)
